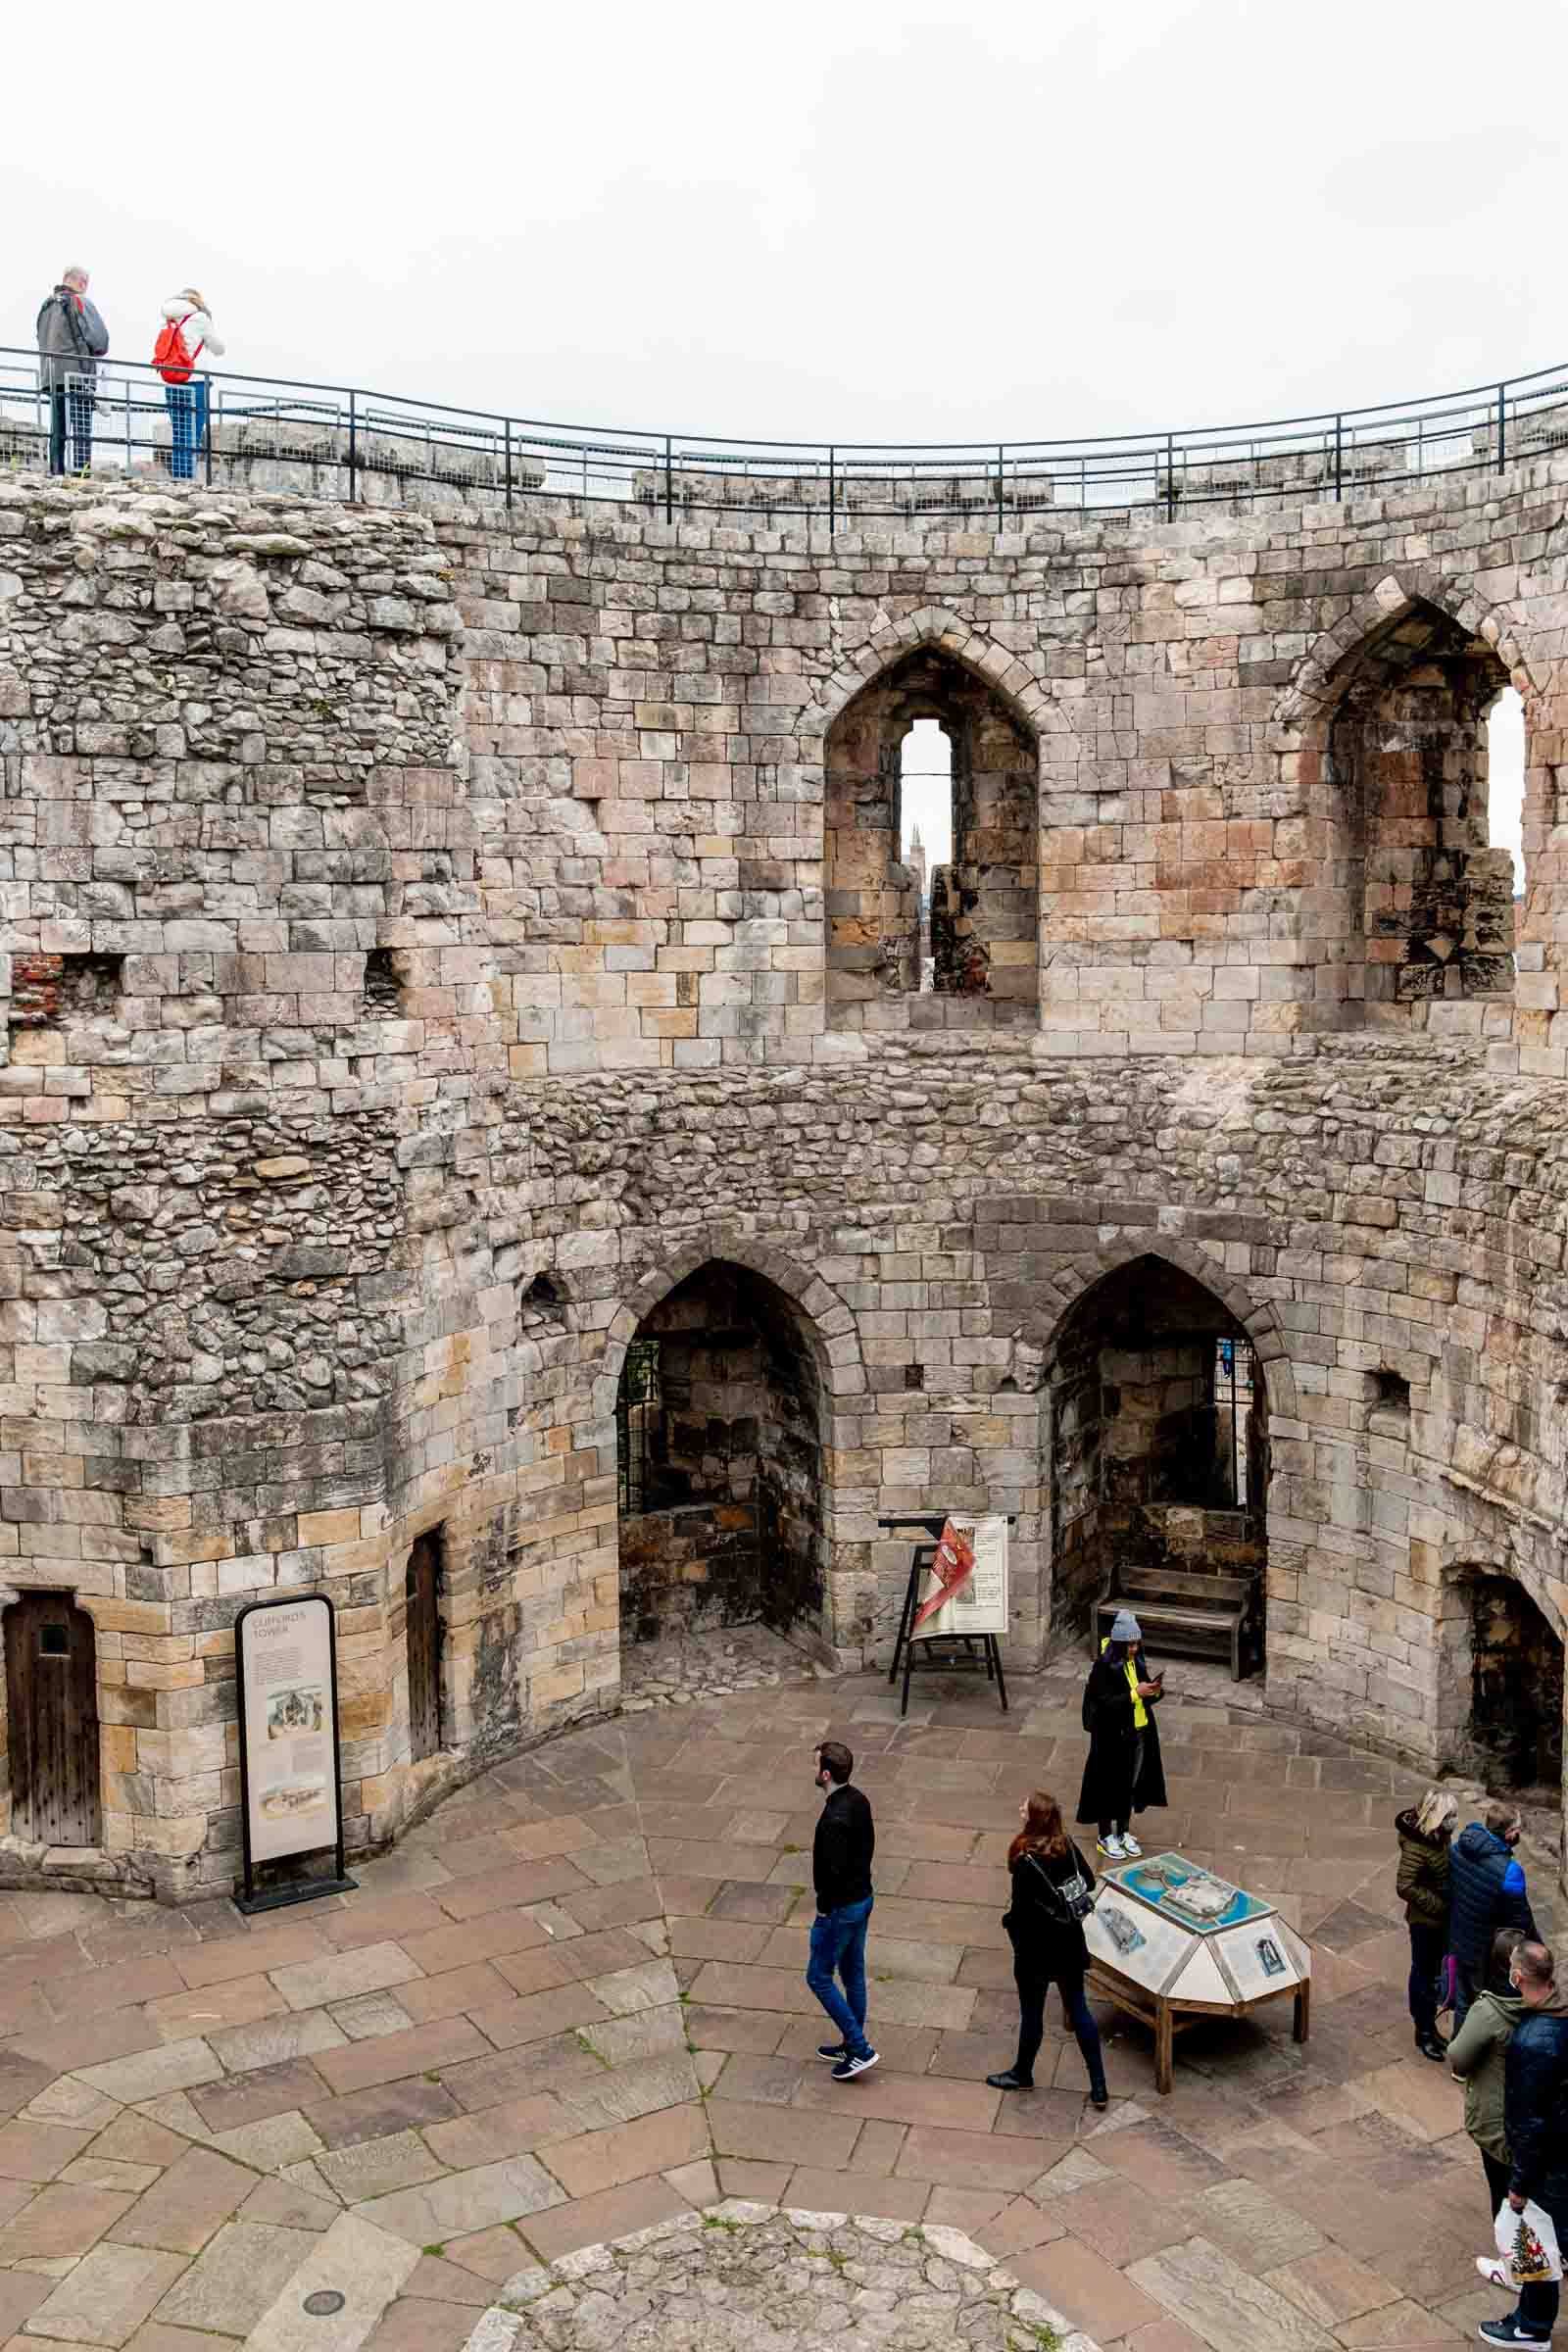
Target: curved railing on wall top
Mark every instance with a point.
(339, 442)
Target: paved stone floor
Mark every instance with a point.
(570, 2007)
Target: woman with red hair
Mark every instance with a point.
(1053, 1894)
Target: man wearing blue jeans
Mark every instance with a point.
(841, 1873)
(1535, 2122)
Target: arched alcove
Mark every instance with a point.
(984, 900)
(1414, 905)
(1499, 1684)
(1158, 1445)
(719, 1461)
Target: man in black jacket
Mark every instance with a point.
(1535, 2115)
(841, 1873)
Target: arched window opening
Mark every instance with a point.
(1417, 906)
(1158, 1444)
(718, 1430)
(1505, 780)
(931, 748)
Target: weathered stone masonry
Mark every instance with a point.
(406, 907)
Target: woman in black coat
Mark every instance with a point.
(1050, 1877)
(1124, 1775)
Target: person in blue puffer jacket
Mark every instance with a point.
(1485, 1892)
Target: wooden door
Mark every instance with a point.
(421, 1588)
(52, 1701)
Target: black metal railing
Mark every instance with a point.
(340, 442)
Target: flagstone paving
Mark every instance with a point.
(570, 2007)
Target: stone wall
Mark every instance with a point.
(424, 949)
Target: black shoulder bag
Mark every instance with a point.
(1068, 1900)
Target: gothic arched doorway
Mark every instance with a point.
(720, 1462)
(1158, 1442)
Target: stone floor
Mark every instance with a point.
(684, 1667)
(746, 2278)
(570, 2007)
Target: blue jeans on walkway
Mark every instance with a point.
(187, 421)
(838, 1948)
(1427, 1948)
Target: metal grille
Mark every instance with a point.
(1233, 1403)
(639, 1416)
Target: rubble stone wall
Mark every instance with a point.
(439, 903)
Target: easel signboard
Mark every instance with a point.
(956, 1600)
(286, 1657)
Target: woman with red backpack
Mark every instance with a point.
(186, 333)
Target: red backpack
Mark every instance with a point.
(173, 358)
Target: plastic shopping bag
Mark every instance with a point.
(1528, 2244)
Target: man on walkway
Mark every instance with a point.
(841, 1873)
(1535, 2122)
(72, 339)
(1485, 1892)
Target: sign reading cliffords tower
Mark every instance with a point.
(286, 1653)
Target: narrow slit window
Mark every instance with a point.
(1505, 780)
(925, 824)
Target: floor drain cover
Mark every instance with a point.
(325, 2302)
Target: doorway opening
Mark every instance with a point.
(52, 1706)
(1159, 1451)
(1500, 1695)
(719, 1463)
(423, 1583)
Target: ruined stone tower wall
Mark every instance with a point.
(404, 907)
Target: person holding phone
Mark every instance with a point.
(1124, 1774)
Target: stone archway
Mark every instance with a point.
(1500, 1695)
(727, 1373)
(1157, 1401)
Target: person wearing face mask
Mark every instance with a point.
(1535, 2122)
(1485, 1892)
(841, 1875)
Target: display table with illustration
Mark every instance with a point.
(1171, 1942)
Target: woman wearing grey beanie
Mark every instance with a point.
(1124, 1774)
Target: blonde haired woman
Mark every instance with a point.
(1424, 1832)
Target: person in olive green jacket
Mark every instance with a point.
(1422, 1884)
(1478, 2055)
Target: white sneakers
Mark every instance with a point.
(1113, 1848)
(1130, 1844)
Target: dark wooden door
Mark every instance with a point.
(52, 1701)
(421, 1588)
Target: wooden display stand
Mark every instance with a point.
(1172, 1943)
(1168, 2018)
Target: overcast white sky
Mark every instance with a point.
(923, 221)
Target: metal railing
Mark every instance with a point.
(339, 442)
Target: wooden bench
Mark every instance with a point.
(1206, 1618)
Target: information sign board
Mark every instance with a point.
(286, 1659)
(979, 1606)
